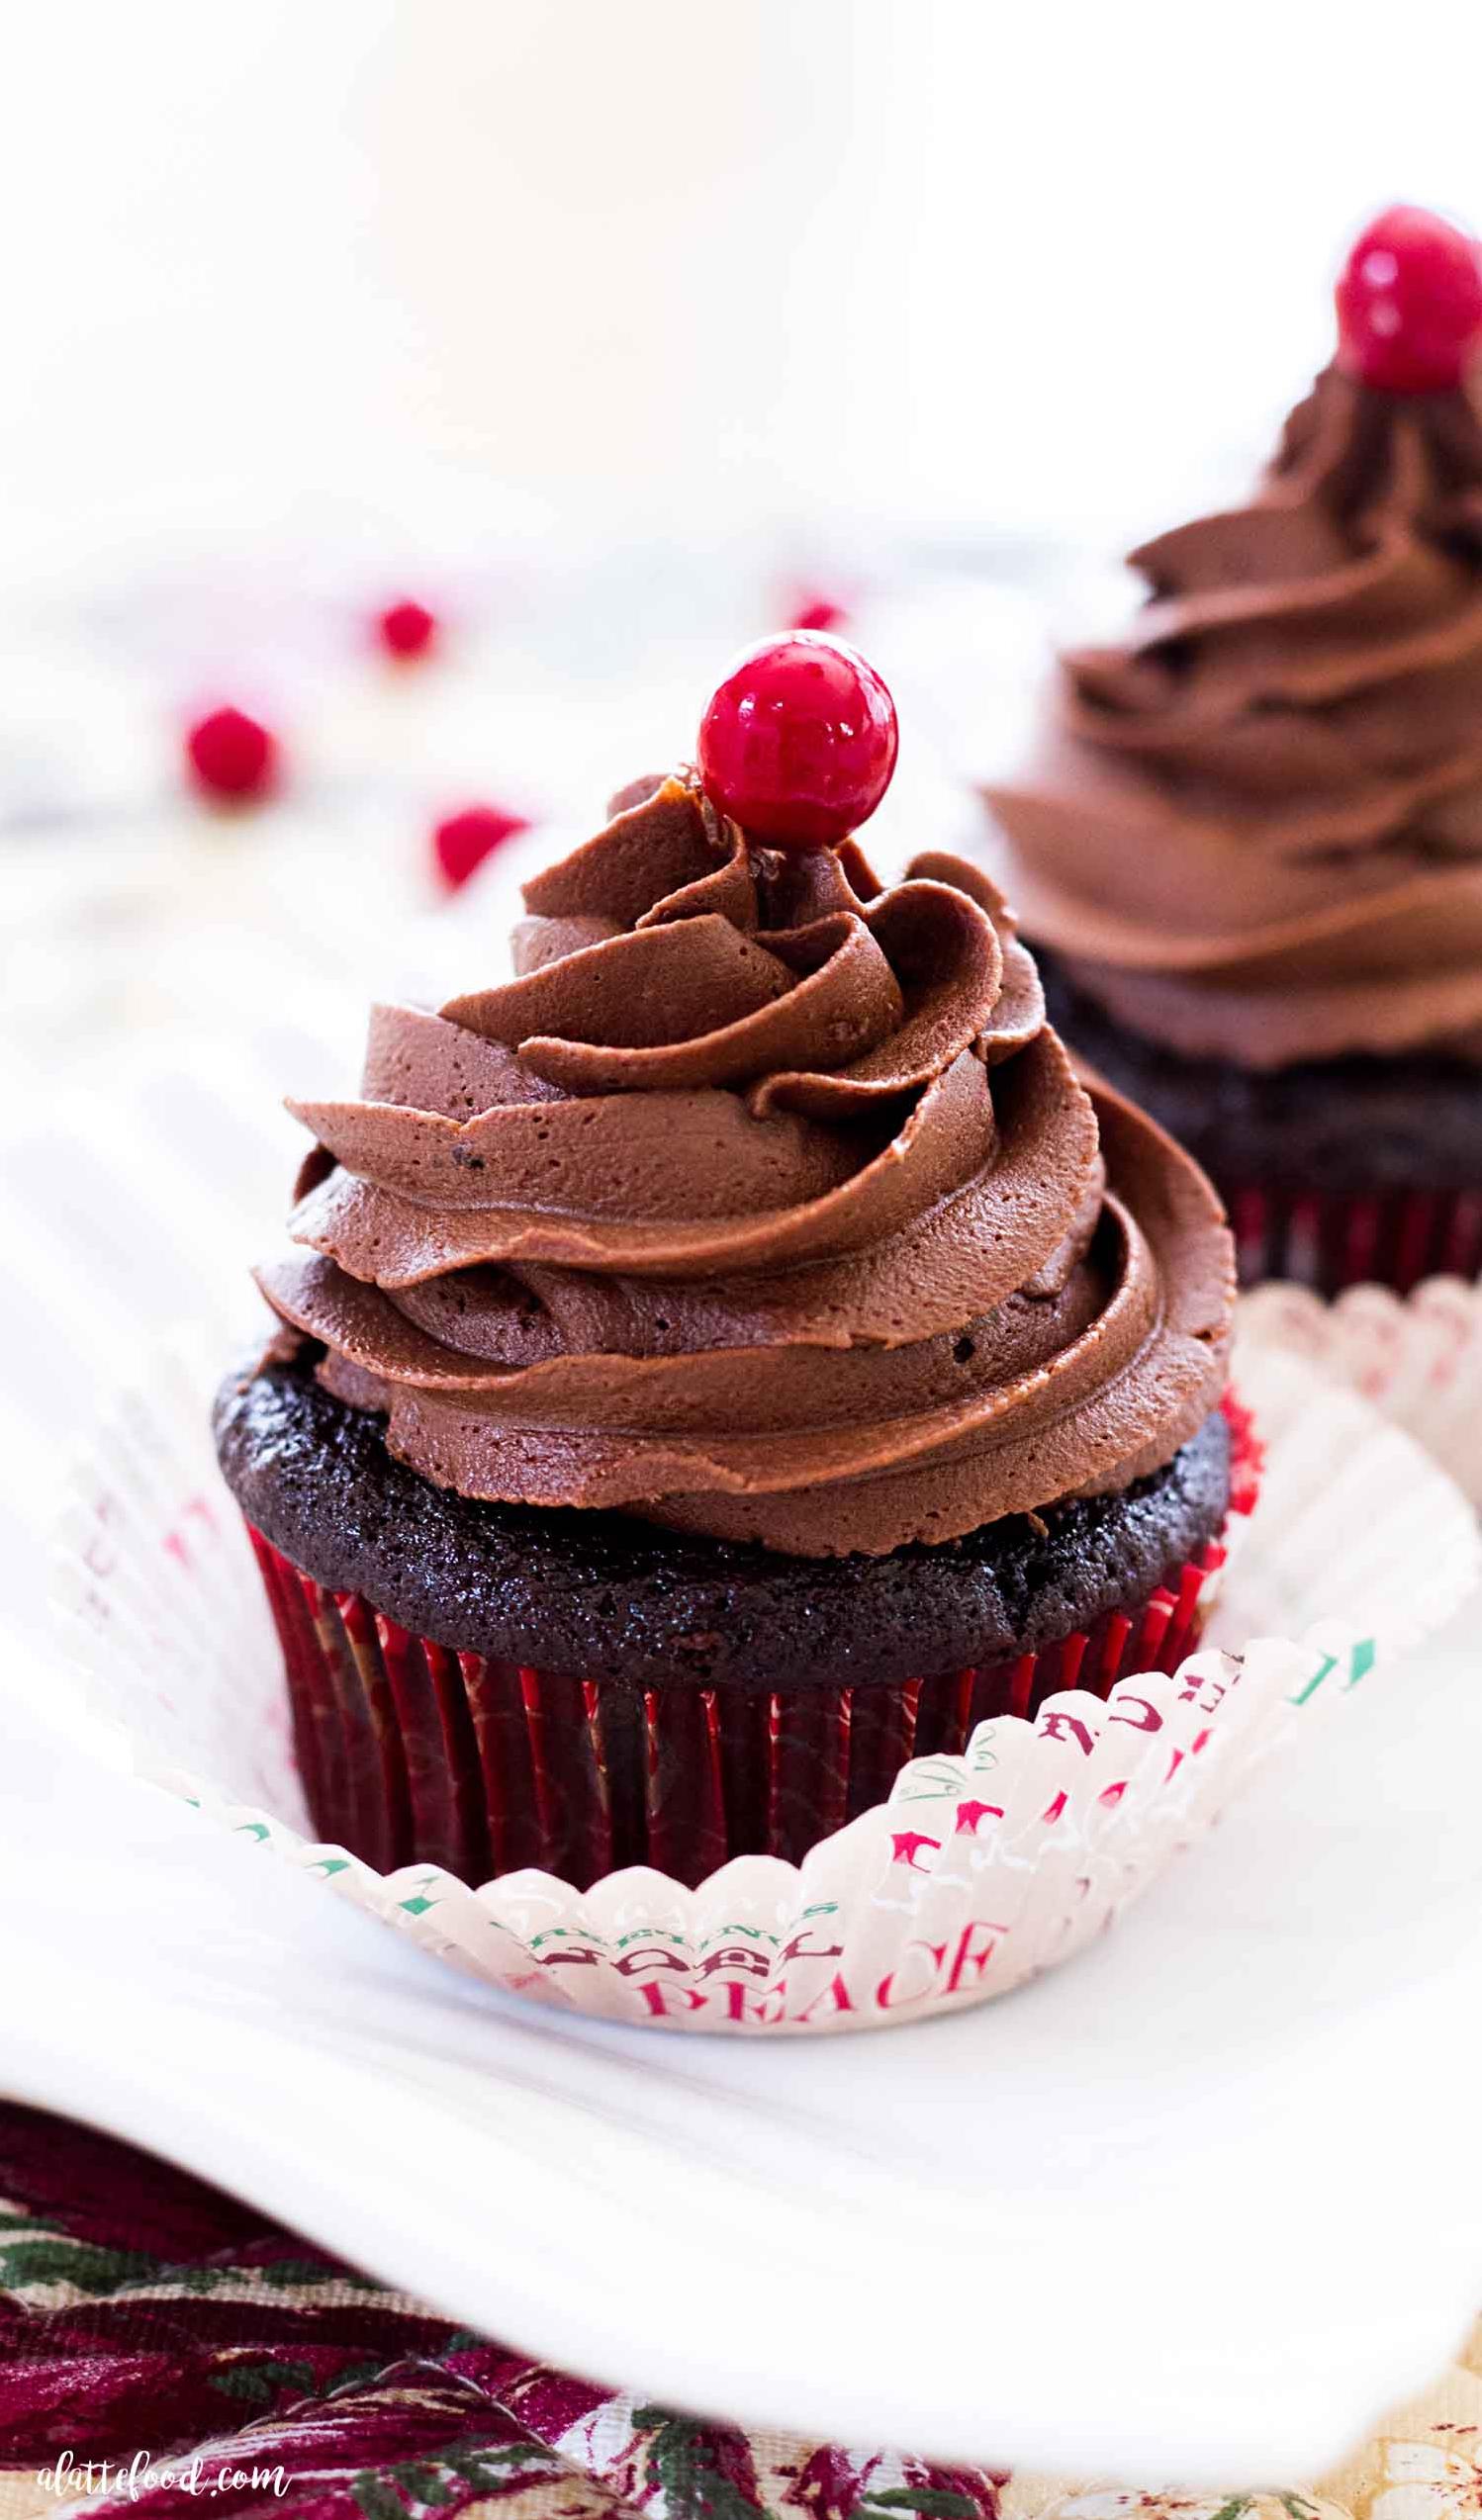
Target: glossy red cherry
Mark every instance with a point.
(799, 743)
(407, 629)
(461, 841)
(231, 755)
(1410, 302)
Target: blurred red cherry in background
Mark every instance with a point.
(407, 629)
(1410, 302)
(461, 841)
(232, 759)
(809, 609)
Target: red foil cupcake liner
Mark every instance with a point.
(1332, 1239)
(412, 1753)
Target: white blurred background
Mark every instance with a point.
(604, 330)
(684, 267)
(602, 324)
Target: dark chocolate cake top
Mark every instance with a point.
(621, 1601)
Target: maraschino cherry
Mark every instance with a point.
(233, 758)
(798, 745)
(1410, 302)
(461, 841)
(407, 629)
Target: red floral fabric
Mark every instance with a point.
(151, 2324)
(156, 2337)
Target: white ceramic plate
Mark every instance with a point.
(1193, 2205)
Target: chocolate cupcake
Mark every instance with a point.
(733, 1356)
(1247, 847)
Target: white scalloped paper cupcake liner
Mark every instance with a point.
(1417, 1359)
(978, 1872)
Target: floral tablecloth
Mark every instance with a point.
(160, 2344)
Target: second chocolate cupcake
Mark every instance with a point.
(1248, 842)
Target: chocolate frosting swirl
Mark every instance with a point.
(761, 1203)
(1254, 829)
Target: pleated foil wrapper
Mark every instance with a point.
(1332, 1239)
(408, 1749)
